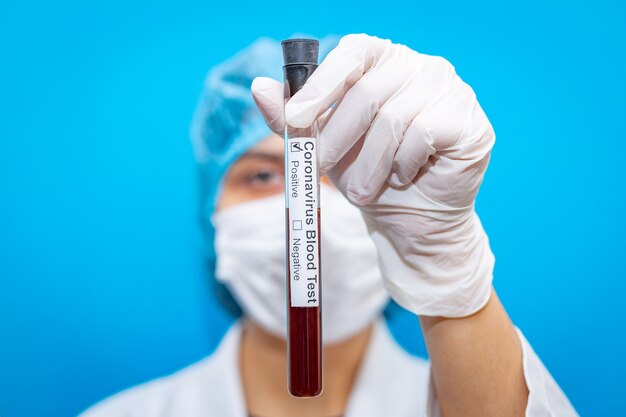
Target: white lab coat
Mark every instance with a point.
(391, 383)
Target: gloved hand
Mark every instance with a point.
(408, 143)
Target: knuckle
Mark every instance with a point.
(490, 135)
(387, 116)
(357, 195)
(466, 88)
(366, 89)
(389, 120)
(443, 64)
(485, 134)
(354, 38)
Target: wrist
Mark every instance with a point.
(447, 274)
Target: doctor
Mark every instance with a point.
(404, 145)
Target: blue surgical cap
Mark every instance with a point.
(227, 122)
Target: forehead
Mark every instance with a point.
(272, 144)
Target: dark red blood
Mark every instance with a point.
(305, 351)
(304, 339)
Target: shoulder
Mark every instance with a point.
(151, 398)
(177, 394)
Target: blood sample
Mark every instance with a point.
(304, 313)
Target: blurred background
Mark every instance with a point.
(102, 280)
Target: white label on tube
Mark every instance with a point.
(302, 189)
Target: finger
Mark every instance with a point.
(430, 77)
(268, 96)
(418, 143)
(460, 133)
(440, 125)
(354, 113)
(343, 66)
(451, 118)
(372, 167)
(405, 82)
(413, 153)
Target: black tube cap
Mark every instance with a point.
(300, 51)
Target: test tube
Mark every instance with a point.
(302, 207)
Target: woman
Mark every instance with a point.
(404, 145)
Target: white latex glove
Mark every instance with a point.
(408, 143)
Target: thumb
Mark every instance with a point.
(269, 97)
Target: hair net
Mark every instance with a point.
(227, 122)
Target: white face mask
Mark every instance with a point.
(251, 261)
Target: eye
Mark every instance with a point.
(265, 178)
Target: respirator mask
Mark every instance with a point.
(251, 261)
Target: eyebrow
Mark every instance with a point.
(263, 155)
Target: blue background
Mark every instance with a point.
(102, 283)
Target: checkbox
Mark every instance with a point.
(296, 225)
(295, 147)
